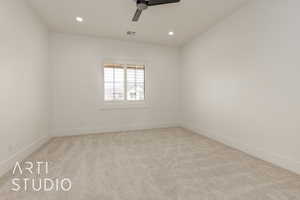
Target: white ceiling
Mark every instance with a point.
(112, 18)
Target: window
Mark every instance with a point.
(124, 82)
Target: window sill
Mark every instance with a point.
(123, 105)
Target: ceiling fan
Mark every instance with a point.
(144, 4)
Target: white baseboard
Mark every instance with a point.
(9, 163)
(117, 128)
(279, 160)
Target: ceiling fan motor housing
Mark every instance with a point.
(144, 4)
(141, 4)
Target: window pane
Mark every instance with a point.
(108, 74)
(113, 83)
(109, 91)
(131, 92)
(119, 91)
(119, 75)
(135, 83)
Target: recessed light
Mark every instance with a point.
(171, 33)
(79, 19)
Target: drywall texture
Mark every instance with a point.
(23, 81)
(77, 85)
(240, 81)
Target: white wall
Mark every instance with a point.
(76, 62)
(240, 82)
(23, 82)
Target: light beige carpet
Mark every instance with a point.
(159, 164)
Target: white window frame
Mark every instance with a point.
(125, 104)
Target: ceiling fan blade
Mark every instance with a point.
(137, 15)
(160, 2)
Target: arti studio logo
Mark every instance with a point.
(38, 183)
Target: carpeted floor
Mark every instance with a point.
(158, 164)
